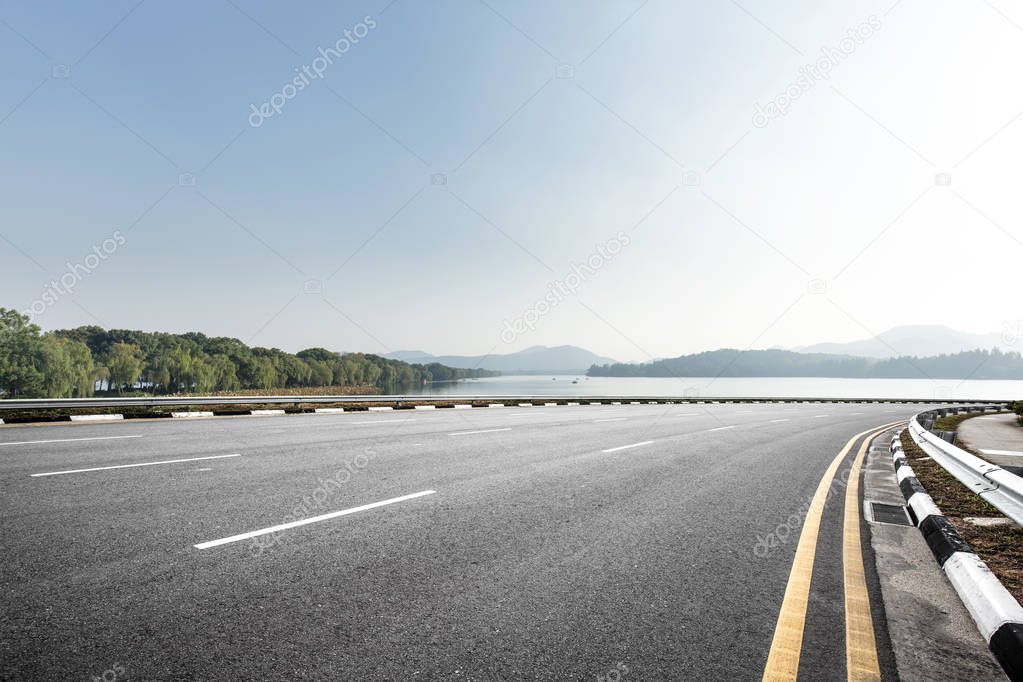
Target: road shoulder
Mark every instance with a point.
(931, 632)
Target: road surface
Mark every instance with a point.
(505, 543)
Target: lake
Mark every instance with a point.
(734, 387)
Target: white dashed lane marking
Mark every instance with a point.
(128, 466)
(67, 440)
(470, 433)
(314, 519)
(628, 447)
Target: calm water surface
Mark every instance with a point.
(733, 387)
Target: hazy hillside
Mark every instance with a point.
(729, 362)
(919, 340)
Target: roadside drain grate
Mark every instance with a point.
(889, 513)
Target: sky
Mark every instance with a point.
(640, 178)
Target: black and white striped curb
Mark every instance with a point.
(995, 611)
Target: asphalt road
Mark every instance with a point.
(557, 543)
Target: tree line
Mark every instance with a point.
(76, 363)
(974, 364)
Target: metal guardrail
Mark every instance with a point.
(1001, 488)
(177, 401)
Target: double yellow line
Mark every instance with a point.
(861, 650)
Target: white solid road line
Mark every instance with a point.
(775, 421)
(68, 440)
(627, 447)
(127, 466)
(384, 421)
(821, 416)
(722, 428)
(314, 519)
(469, 433)
(616, 419)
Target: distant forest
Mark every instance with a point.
(974, 364)
(75, 363)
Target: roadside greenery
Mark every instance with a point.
(1017, 407)
(72, 363)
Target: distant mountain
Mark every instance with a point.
(409, 355)
(919, 340)
(534, 360)
(728, 362)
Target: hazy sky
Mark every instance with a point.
(448, 173)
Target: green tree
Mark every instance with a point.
(181, 366)
(68, 368)
(103, 376)
(85, 371)
(266, 375)
(58, 372)
(225, 374)
(322, 374)
(157, 371)
(21, 355)
(205, 375)
(124, 364)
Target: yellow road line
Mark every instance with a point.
(860, 644)
(783, 659)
